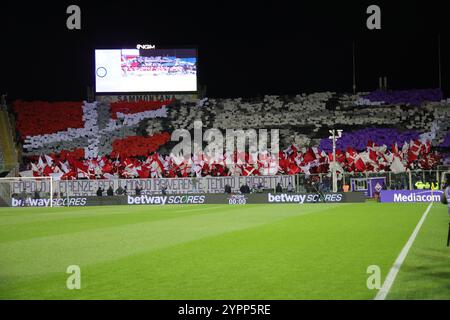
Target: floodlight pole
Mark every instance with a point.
(334, 138)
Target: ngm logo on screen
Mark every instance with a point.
(142, 70)
(145, 46)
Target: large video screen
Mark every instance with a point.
(154, 70)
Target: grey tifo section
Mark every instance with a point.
(59, 146)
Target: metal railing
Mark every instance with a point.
(404, 181)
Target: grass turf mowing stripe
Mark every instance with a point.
(382, 293)
(425, 272)
(9, 216)
(252, 252)
(64, 220)
(107, 242)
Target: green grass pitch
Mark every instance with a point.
(317, 251)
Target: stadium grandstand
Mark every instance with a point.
(391, 131)
(165, 154)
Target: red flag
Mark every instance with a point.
(293, 169)
(360, 165)
(48, 171)
(415, 146)
(395, 148)
(143, 173)
(340, 156)
(412, 156)
(294, 150)
(309, 155)
(373, 156)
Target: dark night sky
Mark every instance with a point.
(277, 48)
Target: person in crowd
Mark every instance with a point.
(279, 188)
(23, 197)
(245, 188)
(445, 185)
(290, 188)
(194, 185)
(138, 190)
(36, 194)
(259, 187)
(110, 191)
(99, 192)
(419, 185)
(376, 196)
(340, 186)
(434, 185)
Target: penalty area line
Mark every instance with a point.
(383, 292)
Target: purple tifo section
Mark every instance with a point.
(446, 159)
(358, 139)
(446, 142)
(412, 97)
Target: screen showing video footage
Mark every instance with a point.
(153, 70)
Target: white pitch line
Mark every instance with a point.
(383, 292)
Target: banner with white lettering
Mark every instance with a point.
(78, 188)
(411, 195)
(182, 199)
(146, 97)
